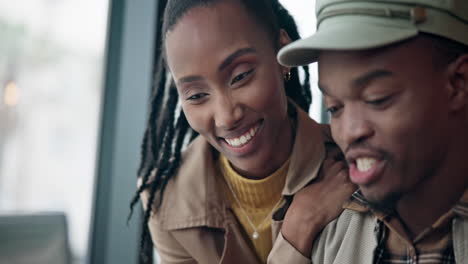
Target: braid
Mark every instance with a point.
(300, 93)
(167, 163)
(157, 94)
(150, 139)
(167, 131)
(155, 110)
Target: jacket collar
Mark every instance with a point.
(307, 154)
(193, 199)
(461, 208)
(357, 202)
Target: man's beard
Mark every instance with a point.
(387, 204)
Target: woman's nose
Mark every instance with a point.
(228, 113)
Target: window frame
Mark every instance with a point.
(126, 91)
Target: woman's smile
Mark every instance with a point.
(245, 140)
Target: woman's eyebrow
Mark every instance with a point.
(226, 62)
(187, 79)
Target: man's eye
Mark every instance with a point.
(333, 110)
(379, 101)
(241, 76)
(196, 97)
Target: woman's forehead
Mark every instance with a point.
(221, 13)
(211, 33)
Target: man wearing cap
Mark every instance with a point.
(395, 80)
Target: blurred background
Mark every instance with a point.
(75, 78)
(51, 84)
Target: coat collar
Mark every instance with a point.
(193, 199)
(357, 202)
(307, 154)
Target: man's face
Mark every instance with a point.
(389, 115)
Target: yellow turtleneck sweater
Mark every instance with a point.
(257, 198)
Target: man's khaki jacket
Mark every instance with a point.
(352, 239)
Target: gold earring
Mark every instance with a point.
(287, 76)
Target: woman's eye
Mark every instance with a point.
(241, 76)
(196, 97)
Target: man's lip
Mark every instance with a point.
(366, 177)
(352, 155)
(241, 131)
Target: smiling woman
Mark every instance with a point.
(225, 98)
(249, 142)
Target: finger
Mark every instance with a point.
(326, 164)
(334, 152)
(334, 169)
(348, 186)
(328, 169)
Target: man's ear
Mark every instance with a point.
(458, 82)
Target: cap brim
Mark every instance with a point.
(342, 36)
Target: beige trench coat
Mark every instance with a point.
(195, 224)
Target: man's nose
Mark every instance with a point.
(355, 127)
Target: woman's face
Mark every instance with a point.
(231, 87)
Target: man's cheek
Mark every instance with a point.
(335, 133)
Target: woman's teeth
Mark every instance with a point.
(365, 164)
(242, 140)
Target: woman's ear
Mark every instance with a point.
(458, 82)
(284, 38)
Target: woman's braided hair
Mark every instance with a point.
(168, 131)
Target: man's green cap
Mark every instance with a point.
(357, 25)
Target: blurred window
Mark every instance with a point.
(303, 12)
(51, 71)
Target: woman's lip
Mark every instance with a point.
(242, 131)
(366, 177)
(249, 146)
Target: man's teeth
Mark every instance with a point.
(244, 139)
(365, 164)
